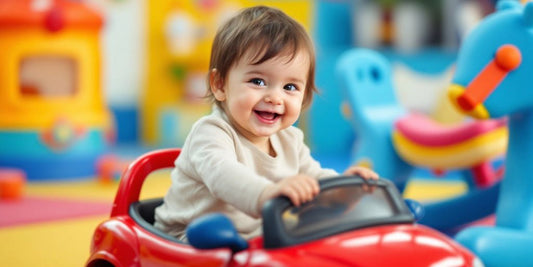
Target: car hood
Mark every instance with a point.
(398, 245)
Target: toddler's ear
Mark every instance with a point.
(217, 85)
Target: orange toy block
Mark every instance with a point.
(12, 183)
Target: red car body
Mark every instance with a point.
(126, 240)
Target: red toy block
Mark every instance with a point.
(12, 183)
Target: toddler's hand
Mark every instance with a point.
(364, 172)
(299, 189)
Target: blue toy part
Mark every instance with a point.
(336, 13)
(510, 242)
(215, 230)
(416, 208)
(332, 36)
(451, 214)
(365, 77)
(513, 248)
(26, 150)
(127, 124)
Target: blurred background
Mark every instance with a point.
(87, 86)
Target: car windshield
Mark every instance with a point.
(340, 206)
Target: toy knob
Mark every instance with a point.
(508, 57)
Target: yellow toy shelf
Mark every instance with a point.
(53, 120)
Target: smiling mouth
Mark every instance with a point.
(267, 116)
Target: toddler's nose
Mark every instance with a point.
(273, 98)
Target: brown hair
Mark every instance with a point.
(269, 32)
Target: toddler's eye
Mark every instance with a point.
(258, 81)
(290, 87)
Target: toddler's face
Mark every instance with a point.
(263, 99)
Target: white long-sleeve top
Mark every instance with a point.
(219, 170)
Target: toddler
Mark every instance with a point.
(261, 77)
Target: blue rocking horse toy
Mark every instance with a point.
(493, 79)
(394, 142)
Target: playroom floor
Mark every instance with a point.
(52, 224)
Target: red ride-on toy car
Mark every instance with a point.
(352, 222)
